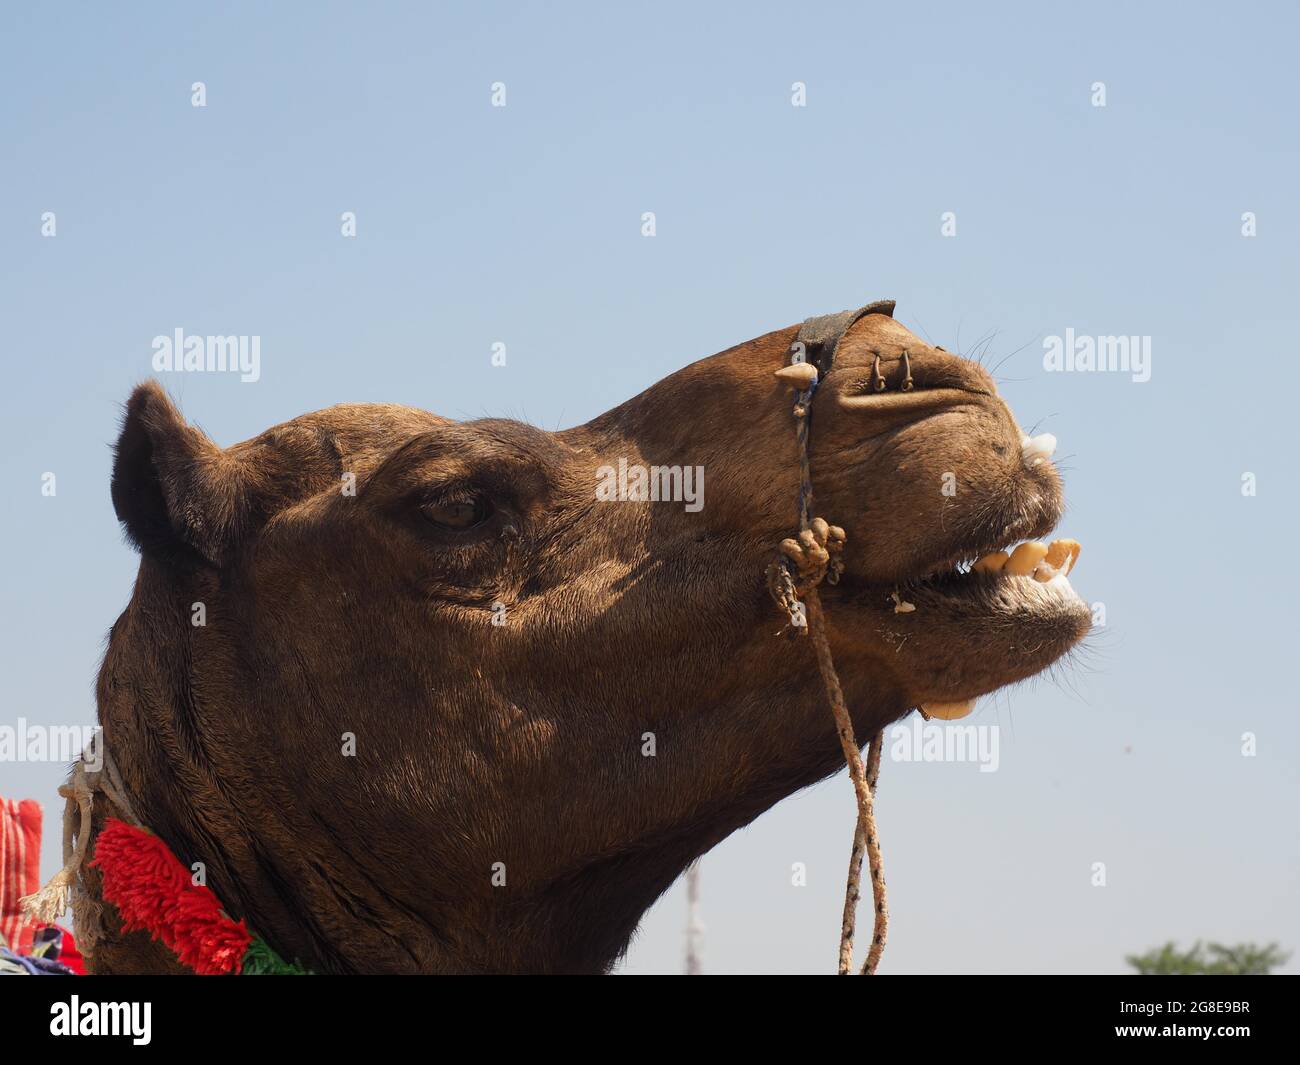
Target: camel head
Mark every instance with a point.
(426, 695)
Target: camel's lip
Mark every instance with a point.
(1039, 621)
(980, 545)
(1036, 618)
(1018, 574)
(967, 584)
(1016, 565)
(962, 559)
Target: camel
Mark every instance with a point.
(421, 701)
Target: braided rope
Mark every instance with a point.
(803, 564)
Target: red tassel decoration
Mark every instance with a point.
(153, 892)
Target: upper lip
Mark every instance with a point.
(979, 545)
(969, 548)
(1011, 536)
(898, 410)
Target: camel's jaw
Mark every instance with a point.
(971, 598)
(961, 631)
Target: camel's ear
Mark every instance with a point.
(180, 497)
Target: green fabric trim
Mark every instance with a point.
(261, 960)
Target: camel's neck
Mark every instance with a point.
(584, 921)
(711, 774)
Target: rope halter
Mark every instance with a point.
(802, 563)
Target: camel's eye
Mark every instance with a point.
(458, 514)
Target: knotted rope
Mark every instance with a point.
(146, 883)
(54, 898)
(792, 580)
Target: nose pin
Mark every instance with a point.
(1036, 449)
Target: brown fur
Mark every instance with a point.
(521, 744)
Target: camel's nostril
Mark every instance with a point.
(1036, 449)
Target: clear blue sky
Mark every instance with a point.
(522, 225)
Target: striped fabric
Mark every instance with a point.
(20, 868)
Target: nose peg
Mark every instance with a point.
(877, 378)
(1036, 449)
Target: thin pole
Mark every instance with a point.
(694, 926)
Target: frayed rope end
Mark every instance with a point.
(51, 902)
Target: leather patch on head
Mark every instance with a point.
(821, 336)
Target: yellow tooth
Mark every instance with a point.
(1024, 558)
(949, 711)
(1059, 552)
(991, 563)
(1045, 572)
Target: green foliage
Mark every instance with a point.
(1214, 959)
